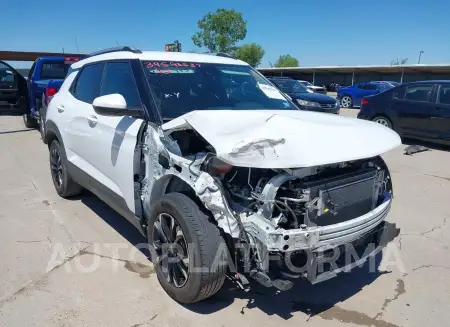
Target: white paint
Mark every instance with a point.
(286, 138)
(114, 101)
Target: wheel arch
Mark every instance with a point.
(53, 133)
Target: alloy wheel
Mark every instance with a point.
(346, 102)
(171, 247)
(56, 168)
(382, 121)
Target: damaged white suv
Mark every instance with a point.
(221, 171)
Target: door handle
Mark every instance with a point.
(60, 109)
(92, 120)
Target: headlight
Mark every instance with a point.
(307, 103)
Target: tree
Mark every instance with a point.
(250, 53)
(286, 61)
(220, 31)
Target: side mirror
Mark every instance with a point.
(114, 105)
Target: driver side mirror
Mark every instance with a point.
(114, 105)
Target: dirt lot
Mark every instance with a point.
(75, 263)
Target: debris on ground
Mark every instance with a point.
(410, 150)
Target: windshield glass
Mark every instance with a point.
(181, 87)
(290, 86)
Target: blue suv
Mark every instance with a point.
(351, 96)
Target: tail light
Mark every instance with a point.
(49, 93)
(71, 60)
(364, 101)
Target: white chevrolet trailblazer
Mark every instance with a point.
(221, 171)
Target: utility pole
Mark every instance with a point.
(420, 56)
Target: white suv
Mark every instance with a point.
(220, 170)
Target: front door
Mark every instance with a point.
(12, 88)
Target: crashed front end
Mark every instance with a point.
(285, 222)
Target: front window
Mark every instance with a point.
(181, 87)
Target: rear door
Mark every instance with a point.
(442, 111)
(413, 106)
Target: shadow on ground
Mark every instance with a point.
(116, 221)
(303, 297)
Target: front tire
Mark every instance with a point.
(347, 102)
(190, 255)
(62, 181)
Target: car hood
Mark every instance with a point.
(315, 87)
(313, 97)
(286, 138)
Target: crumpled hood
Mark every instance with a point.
(286, 138)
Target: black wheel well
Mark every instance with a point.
(50, 137)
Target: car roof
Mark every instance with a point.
(160, 56)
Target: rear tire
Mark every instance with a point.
(42, 128)
(29, 121)
(383, 121)
(62, 181)
(203, 273)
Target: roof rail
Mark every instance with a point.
(223, 54)
(115, 49)
(219, 54)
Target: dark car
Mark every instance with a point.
(351, 96)
(419, 110)
(304, 99)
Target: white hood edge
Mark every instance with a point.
(286, 138)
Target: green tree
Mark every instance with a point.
(286, 61)
(250, 53)
(221, 30)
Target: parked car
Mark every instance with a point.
(351, 96)
(216, 166)
(419, 110)
(313, 88)
(303, 99)
(13, 89)
(333, 87)
(44, 80)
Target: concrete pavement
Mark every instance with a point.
(77, 263)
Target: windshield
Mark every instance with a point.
(181, 87)
(290, 86)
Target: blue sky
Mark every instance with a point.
(345, 32)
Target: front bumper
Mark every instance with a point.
(315, 238)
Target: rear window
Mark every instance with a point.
(55, 70)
